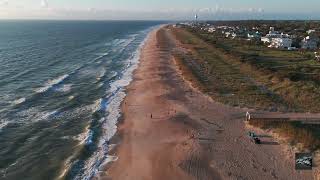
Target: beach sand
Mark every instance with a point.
(172, 131)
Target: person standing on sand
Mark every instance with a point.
(151, 115)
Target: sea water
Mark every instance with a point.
(61, 86)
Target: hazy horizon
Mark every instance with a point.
(159, 10)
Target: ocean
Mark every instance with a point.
(61, 86)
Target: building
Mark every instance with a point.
(277, 40)
(228, 34)
(272, 34)
(266, 39)
(211, 29)
(317, 56)
(281, 42)
(234, 35)
(310, 42)
(255, 35)
(310, 31)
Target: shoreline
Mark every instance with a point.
(102, 157)
(113, 142)
(188, 136)
(118, 138)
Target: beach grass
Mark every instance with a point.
(248, 74)
(296, 133)
(223, 79)
(254, 76)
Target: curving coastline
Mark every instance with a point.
(170, 130)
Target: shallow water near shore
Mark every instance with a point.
(61, 86)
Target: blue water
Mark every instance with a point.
(61, 85)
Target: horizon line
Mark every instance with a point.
(167, 20)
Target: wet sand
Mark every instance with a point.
(172, 131)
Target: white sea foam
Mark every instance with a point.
(35, 115)
(64, 88)
(97, 105)
(67, 165)
(119, 41)
(19, 101)
(100, 84)
(3, 124)
(101, 74)
(85, 137)
(121, 44)
(102, 55)
(49, 114)
(51, 83)
(70, 98)
(114, 74)
(109, 124)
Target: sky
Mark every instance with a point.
(159, 9)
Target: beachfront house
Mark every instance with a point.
(310, 42)
(310, 31)
(211, 29)
(266, 39)
(234, 35)
(281, 42)
(317, 56)
(228, 34)
(277, 40)
(272, 34)
(253, 35)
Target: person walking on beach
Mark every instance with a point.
(151, 115)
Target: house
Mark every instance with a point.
(227, 34)
(255, 35)
(310, 31)
(211, 29)
(310, 42)
(277, 40)
(292, 48)
(281, 42)
(234, 35)
(272, 34)
(266, 39)
(317, 56)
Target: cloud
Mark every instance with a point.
(4, 2)
(44, 4)
(92, 10)
(260, 10)
(255, 10)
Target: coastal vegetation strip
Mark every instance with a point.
(295, 132)
(246, 74)
(260, 83)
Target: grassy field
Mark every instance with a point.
(247, 74)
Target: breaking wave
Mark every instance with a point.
(52, 83)
(111, 106)
(19, 101)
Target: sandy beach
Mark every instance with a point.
(170, 130)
